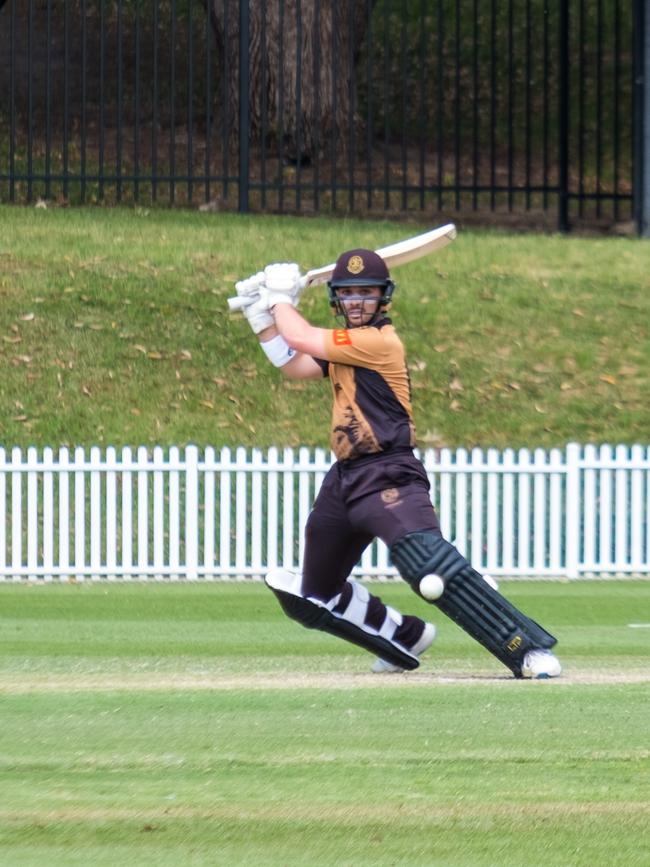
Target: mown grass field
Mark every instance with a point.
(175, 724)
(168, 724)
(114, 331)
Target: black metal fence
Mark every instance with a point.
(504, 111)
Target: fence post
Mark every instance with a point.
(79, 514)
(3, 510)
(32, 513)
(191, 512)
(573, 511)
(16, 513)
(641, 180)
(563, 132)
(48, 514)
(244, 103)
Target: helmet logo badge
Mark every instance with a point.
(355, 265)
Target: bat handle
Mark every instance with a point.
(240, 301)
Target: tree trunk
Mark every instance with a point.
(302, 71)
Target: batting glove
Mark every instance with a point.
(283, 283)
(258, 314)
(250, 286)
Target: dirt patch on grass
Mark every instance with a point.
(300, 680)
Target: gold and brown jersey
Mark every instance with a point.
(372, 396)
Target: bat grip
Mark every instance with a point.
(240, 301)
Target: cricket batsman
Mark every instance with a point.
(377, 487)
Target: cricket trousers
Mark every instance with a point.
(381, 496)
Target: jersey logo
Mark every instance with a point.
(342, 337)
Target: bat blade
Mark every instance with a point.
(398, 254)
(393, 255)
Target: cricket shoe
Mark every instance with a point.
(540, 665)
(381, 666)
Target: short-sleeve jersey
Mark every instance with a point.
(372, 410)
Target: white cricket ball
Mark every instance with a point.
(432, 586)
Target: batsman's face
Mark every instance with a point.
(359, 303)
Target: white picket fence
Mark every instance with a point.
(186, 514)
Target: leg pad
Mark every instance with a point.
(348, 625)
(469, 600)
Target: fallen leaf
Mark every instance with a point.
(207, 403)
(154, 356)
(433, 437)
(27, 317)
(456, 385)
(608, 378)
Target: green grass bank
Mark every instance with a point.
(114, 331)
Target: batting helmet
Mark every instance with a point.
(360, 268)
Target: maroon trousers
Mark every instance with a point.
(381, 496)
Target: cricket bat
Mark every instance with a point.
(393, 255)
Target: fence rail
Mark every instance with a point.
(185, 514)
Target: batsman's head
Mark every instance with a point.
(360, 287)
